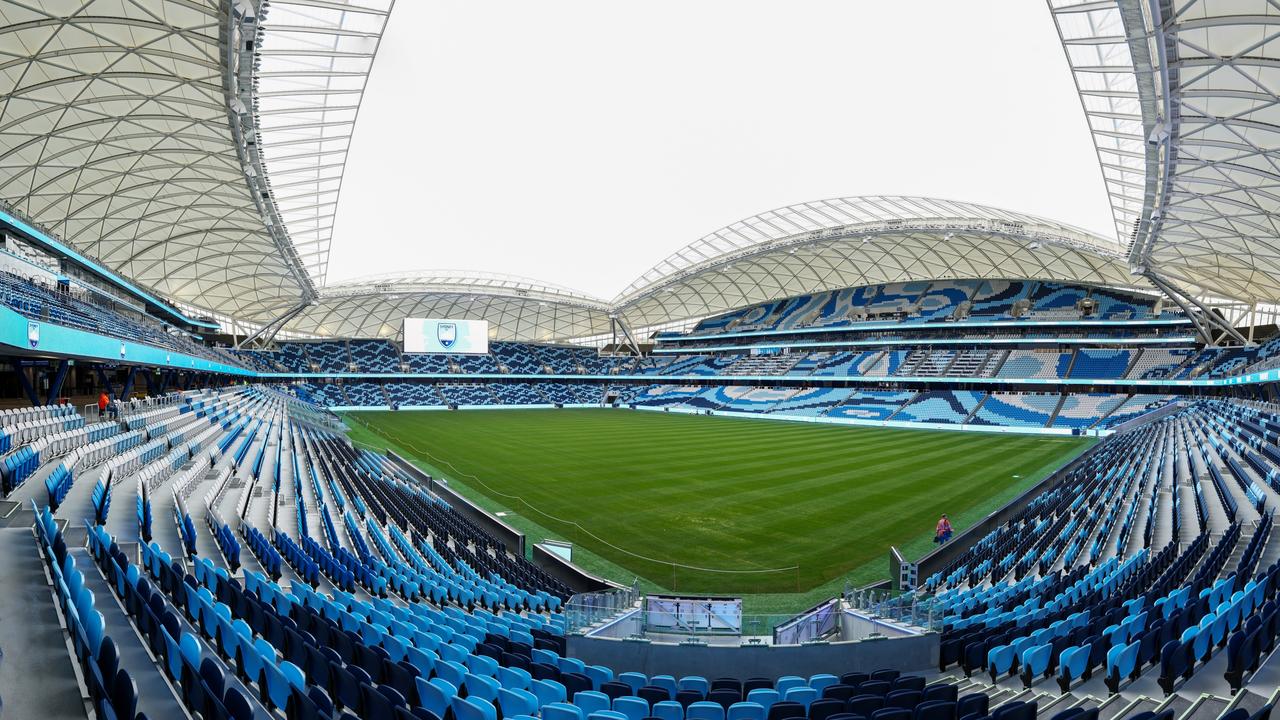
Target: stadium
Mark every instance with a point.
(234, 487)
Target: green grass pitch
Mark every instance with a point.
(694, 503)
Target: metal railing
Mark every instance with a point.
(913, 608)
(590, 609)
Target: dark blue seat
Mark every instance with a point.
(724, 697)
(973, 704)
(124, 694)
(783, 710)
(906, 699)
(839, 691)
(854, 678)
(864, 705)
(374, 705)
(652, 693)
(1016, 710)
(875, 687)
(237, 705)
(1175, 664)
(688, 697)
(825, 708)
(726, 683)
(935, 710)
(941, 691)
(893, 713)
(909, 682)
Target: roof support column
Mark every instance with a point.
(1206, 316)
(268, 332)
(619, 324)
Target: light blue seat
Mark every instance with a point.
(607, 715)
(561, 711)
(634, 708)
(1073, 661)
(802, 695)
(482, 686)
(764, 697)
(592, 701)
(666, 682)
(1000, 660)
(667, 710)
(786, 682)
(1035, 659)
(435, 694)
(573, 665)
(278, 686)
(473, 708)
(634, 680)
(514, 678)
(452, 671)
(696, 683)
(549, 691)
(703, 710)
(423, 660)
(482, 665)
(746, 711)
(822, 681)
(517, 702)
(599, 675)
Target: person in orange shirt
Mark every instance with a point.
(943, 532)
(103, 401)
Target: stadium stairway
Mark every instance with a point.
(31, 634)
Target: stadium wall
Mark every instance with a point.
(879, 423)
(566, 572)
(908, 653)
(16, 331)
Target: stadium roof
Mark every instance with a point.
(142, 133)
(1184, 111)
(799, 249)
(197, 149)
(517, 308)
(845, 242)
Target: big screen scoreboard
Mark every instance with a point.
(455, 337)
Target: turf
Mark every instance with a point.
(721, 505)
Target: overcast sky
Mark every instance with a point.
(580, 142)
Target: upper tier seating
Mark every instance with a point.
(995, 298)
(517, 358)
(1055, 301)
(1101, 363)
(1156, 363)
(943, 297)
(374, 356)
(1035, 364)
(919, 301)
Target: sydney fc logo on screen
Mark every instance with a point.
(447, 334)
(33, 333)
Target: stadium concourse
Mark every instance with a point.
(215, 545)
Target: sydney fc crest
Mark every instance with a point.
(33, 333)
(447, 334)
